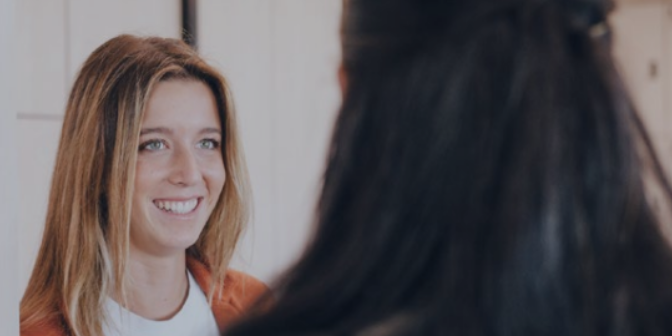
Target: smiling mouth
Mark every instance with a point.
(178, 207)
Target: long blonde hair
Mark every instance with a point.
(85, 245)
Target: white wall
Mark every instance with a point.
(281, 59)
(9, 286)
(643, 45)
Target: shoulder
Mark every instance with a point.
(233, 297)
(242, 290)
(40, 332)
(238, 289)
(236, 297)
(53, 327)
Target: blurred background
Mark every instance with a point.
(280, 57)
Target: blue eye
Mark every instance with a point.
(152, 145)
(208, 144)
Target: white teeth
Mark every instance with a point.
(177, 207)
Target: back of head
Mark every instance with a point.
(486, 177)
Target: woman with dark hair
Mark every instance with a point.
(488, 175)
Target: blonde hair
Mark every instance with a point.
(85, 245)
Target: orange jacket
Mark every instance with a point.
(238, 293)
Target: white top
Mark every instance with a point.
(195, 318)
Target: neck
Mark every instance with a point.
(157, 286)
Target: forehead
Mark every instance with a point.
(181, 103)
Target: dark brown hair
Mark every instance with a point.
(486, 177)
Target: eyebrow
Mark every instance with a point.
(168, 131)
(160, 130)
(209, 130)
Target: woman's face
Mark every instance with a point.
(180, 170)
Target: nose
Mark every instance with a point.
(186, 170)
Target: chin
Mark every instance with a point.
(180, 239)
(185, 241)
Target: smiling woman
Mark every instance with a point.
(149, 196)
(180, 172)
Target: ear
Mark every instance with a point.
(342, 78)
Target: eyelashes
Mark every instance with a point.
(209, 144)
(154, 145)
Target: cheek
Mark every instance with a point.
(216, 176)
(147, 175)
